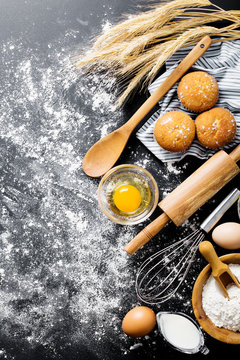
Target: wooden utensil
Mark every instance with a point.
(220, 271)
(221, 334)
(103, 154)
(189, 196)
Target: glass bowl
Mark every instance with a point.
(170, 326)
(128, 175)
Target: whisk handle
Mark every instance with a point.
(147, 234)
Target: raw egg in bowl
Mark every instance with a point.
(128, 194)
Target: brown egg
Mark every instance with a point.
(139, 321)
(227, 235)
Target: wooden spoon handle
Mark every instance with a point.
(167, 84)
(147, 234)
(235, 154)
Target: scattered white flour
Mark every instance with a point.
(224, 313)
(106, 26)
(61, 265)
(136, 346)
(171, 168)
(58, 270)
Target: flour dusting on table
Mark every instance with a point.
(56, 264)
(61, 265)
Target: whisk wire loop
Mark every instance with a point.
(152, 286)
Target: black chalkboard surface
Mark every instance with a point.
(66, 281)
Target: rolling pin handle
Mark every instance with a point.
(235, 154)
(147, 234)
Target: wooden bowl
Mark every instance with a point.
(224, 335)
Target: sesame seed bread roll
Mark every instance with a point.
(198, 91)
(215, 128)
(174, 131)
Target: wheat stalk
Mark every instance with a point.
(135, 49)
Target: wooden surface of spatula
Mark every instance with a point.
(104, 153)
(220, 271)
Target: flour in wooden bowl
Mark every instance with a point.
(222, 312)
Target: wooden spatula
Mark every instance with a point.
(220, 271)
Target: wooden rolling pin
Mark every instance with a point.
(189, 196)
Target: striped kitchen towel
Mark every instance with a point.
(222, 61)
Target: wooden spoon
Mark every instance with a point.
(220, 271)
(102, 156)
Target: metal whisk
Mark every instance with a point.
(160, 275)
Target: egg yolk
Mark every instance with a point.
(127, 198)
